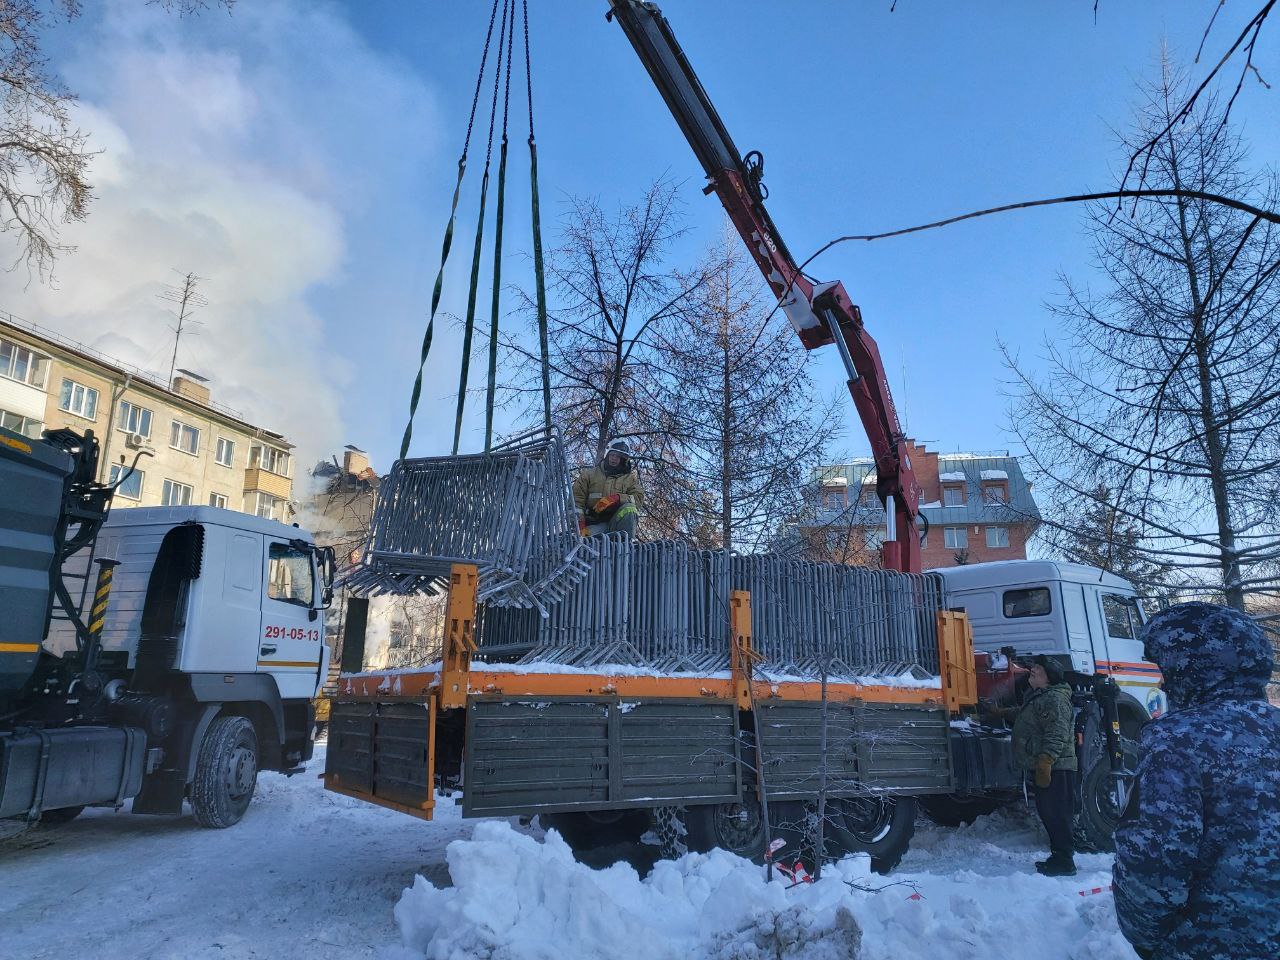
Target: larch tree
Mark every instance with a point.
(610, 284)
(1167, 391)
(739, 419)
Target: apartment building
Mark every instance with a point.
(201, 451)
(976, 507)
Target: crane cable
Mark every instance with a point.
(446, 244)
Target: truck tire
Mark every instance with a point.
(879, 825)
(736, 827)
(1099, 814)
(226, 772)
(952, 810)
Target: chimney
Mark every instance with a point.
(355, 461)
(191, 385)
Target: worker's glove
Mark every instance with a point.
(1044, 770)
(606, 505)
(582, 526)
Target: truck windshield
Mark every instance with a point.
(289, 575)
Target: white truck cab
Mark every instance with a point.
(1066, 609)
(255, 608)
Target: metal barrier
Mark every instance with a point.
(547, 595)
(509, 511)
(663, 605)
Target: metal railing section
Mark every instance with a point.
(663, 605)
(509, 511)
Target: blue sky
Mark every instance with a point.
(301, 156)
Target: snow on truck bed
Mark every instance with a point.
(311, 874)
(626, 670)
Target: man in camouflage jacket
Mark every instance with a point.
(1197, 870)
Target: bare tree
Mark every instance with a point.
(44, 158)
(610, 285)
(737, 429)
(1166, 395)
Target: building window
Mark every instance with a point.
(995, 493)
(268, 506)
(135, 419)
(289, 574)
(25, 366)
(225, 452)
(218, 500)
(955, 538)
(835, 498)
(953, 496)
(131, 489)
(997, 537)
(27, 426)
(270, 459)
(1032, 602)
(79, 399)
(184, 437)
(175, 494)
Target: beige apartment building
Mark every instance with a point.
(202, 452)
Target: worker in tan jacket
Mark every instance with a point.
(607, 496)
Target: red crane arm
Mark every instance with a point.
(821, 313)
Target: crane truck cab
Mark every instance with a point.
(1086, 617)
(159, 654)
(1091, 622)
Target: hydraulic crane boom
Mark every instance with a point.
(821, 313)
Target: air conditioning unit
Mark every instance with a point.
(136, 440)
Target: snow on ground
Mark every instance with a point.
(971, 893)
(312, 874)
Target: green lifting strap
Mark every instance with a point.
(471, 313)
(448, 232)
(435, 303)
(539, 277)
(497, 297)
(540, 285)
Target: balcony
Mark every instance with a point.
(255, 479)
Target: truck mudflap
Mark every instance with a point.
(560, 755)
(384, 752)
(69, 767)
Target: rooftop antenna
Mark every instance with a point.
(187, 299)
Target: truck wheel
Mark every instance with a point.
(55, 818)
(736, 827)
(879, 825)
(226, 772)
(1100, 809)
(952, 810)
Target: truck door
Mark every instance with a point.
(1084, 653)
(291, 639)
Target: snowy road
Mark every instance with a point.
(312, 874)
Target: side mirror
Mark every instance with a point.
(328, 565)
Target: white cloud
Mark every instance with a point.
(220, 157)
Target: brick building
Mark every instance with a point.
(978, 507)
(201, 451)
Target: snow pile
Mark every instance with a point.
(955, 476)
(515, 898)
(995, 475)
